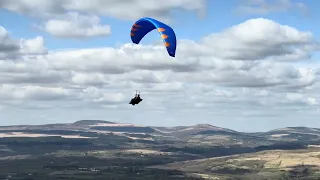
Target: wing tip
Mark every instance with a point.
(172, 54)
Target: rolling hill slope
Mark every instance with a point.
(201, 134)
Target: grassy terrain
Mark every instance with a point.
(84, 167)
(107, 150)
(275, 164)
(106, 156)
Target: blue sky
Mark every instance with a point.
(219, 15)
(226, 78)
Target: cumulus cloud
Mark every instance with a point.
(300, 98)
(100, 96)
(130, 9)
(133, 66)
(7, 44)
(261, 39)
(10, 47)
(78, 18)
(33, 46)
(248, 75)
(75, 25)
(269, 6)
(35, 93)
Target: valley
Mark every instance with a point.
(98, 149)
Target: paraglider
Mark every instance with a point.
(144, 25)
(136, 99)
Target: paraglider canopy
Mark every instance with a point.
(144, 25)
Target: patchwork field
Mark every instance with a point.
(101, 149)
(274, 164)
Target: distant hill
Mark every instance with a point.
(83, 125)
(127, 129)
(91, 122)
(292, 134)
(185, 131)
(204, 134)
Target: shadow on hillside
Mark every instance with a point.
(76, 167)
(216, 151)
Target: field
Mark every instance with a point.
(274, 164)
(93, 150)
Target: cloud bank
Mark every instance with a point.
(254, 73)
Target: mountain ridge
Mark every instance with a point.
(204, 133)
(161, 129)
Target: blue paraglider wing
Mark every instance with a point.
(144, 25)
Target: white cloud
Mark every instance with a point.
(75, 25)
(7, 44)
(261, 39)
(33, 46)
(78, 18)
(129, 9)
(201, 81)
(10, 47)
(100, 96)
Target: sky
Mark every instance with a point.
(247, 65)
